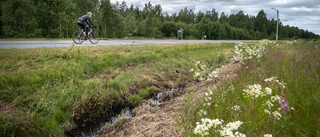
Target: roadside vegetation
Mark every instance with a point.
(51, 91)
(275, 93)
(58, 19)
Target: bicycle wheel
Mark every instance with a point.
(77, 37)
(94, 37)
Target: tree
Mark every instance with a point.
(169, 29)
(205, 27)
(261, 23)
(186, 16)
(199, 16)
(130, 24)
(223, 18)
(18, 19)
(112, 22)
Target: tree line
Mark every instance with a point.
(58, 18)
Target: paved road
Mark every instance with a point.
(11, 44)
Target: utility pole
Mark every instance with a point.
(277, 23)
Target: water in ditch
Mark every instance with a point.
(92, 129)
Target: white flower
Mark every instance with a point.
(205, 112)
(208, 104)
(267, 135)
(268, 90)
(277, 115)
(275, 98)
(254, 91)
(235, 108)
(197, 74)
(269, 104)
(191, 70)
(267, 111)
(206, 94)
(268, 79)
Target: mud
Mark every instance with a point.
(152, 120)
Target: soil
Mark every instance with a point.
(153, 121)
(8, 108)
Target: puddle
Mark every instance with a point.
(91, 131)
(156, 100)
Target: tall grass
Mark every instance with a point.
(295, 70)
(54, 87)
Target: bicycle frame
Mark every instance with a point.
(80, 36)
(84, 32)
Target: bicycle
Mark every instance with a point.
(80, 36)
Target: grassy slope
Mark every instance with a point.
(296, 65)
(51, 88)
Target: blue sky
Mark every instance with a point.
(304, 14)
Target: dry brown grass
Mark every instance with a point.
(154, 121)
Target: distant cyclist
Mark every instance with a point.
(85, 18)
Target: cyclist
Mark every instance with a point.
(83, 19)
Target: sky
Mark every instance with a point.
(304, 14)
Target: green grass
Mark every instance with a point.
(297, 64)
(54, 87)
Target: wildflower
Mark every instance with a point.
(269, 104)
(283, 103)
(267, 111)
(254, 91)
(203, 67)
(231, 88)
(197, 63)
(235, 108)
(215, 73)
(196, 74)
(268, 80)
(277, 115)
(237, 134)
(204, 112)
(275, 98)
(216, 105)
(267, 135)
(268, 90)
(191, 70)
(205, 125)
(208, 104)
(207, 94)
(201, 78)
(229, 128)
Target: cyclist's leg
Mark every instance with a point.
(82, 25)
(87, 29)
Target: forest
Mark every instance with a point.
(58, 19)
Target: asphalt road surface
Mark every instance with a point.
(19, 44)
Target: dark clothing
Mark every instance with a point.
(81, 23)
(85, 18)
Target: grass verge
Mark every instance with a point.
(53, 89)
(273, 95)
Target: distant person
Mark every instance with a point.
(83, 19)
(180, 33)
(204, 37)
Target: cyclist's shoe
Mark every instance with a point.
(86, 38)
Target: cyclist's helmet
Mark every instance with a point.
(89, 13)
